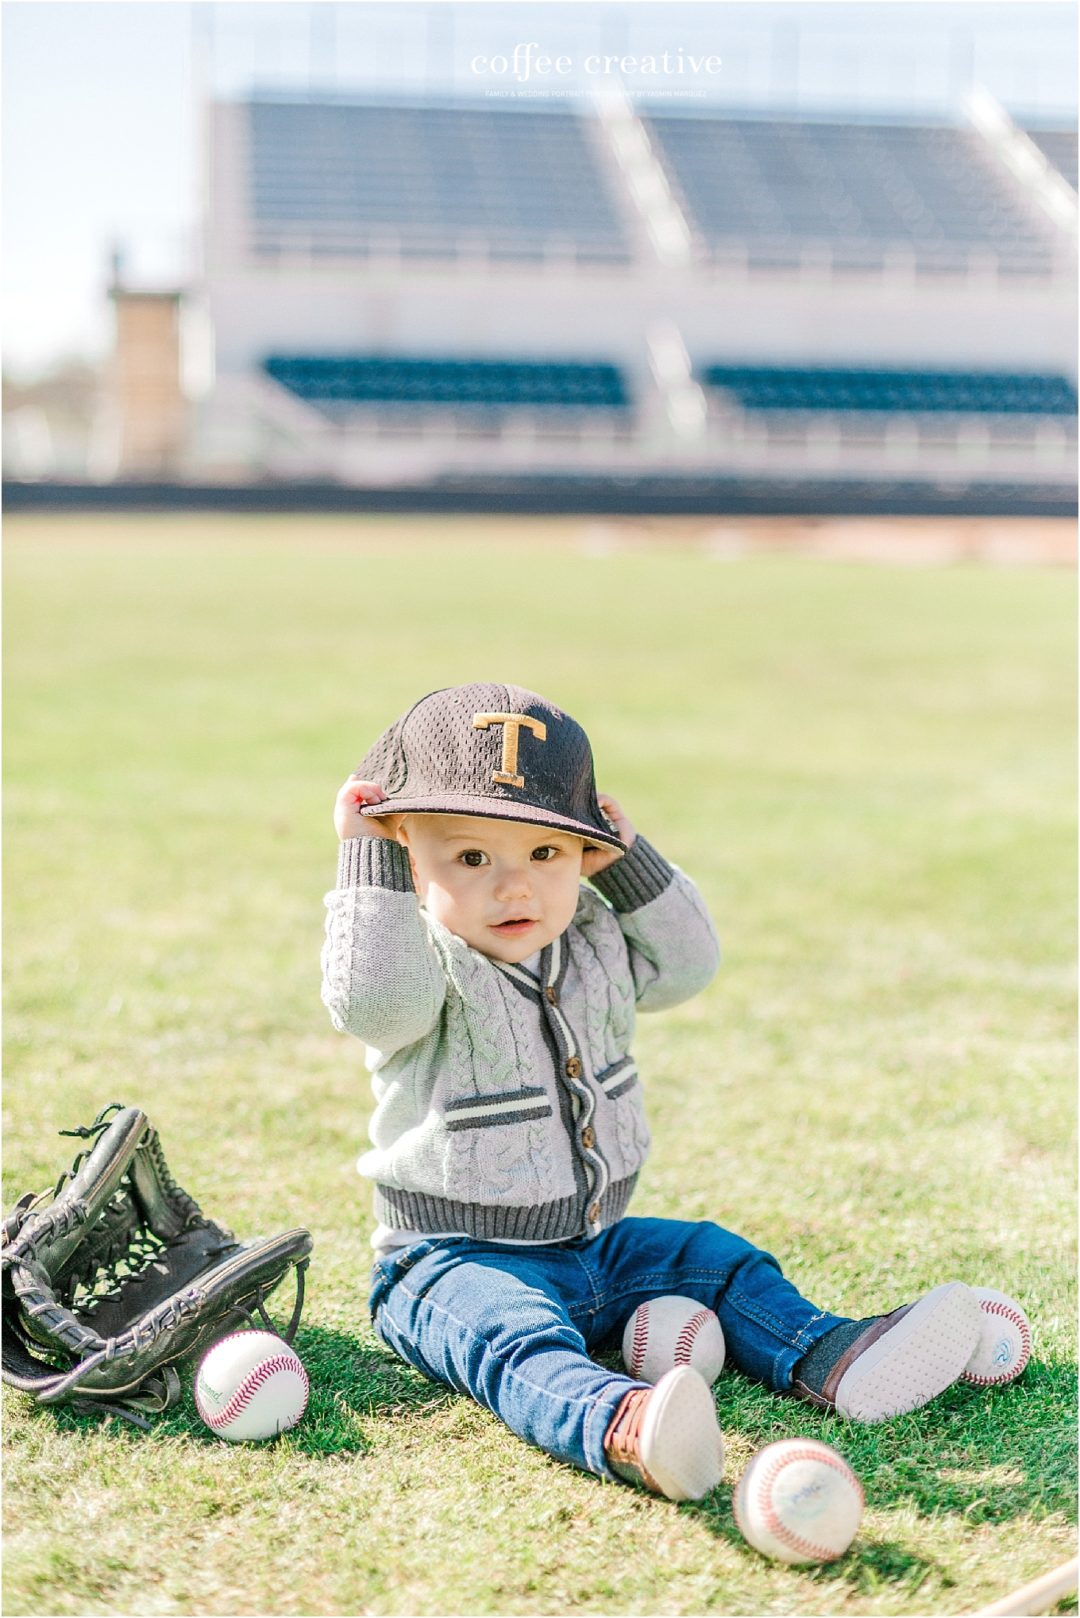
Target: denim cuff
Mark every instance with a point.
(374, 862)
(641, 875)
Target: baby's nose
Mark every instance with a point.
(514, 882)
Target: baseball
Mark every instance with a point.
(1004, 1346)
(671, 1331)
(251, 1385)
(798, 1501)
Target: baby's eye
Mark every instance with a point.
(547, 852)
(473, 856)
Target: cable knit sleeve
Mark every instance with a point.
(674, 950)
(381, 977)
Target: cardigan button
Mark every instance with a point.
(588, 1137)
(594, 1214)
(573, 1067)
(552, 995)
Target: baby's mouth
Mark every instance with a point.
(518, 924)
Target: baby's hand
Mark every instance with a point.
(349, 822)
(598, 859)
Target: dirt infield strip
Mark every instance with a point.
(921, 541)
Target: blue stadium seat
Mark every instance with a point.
(335, 178)
(768, 388)
(776, 185)
(1058, 146)
(356, 380)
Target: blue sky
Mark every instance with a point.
(101, 100)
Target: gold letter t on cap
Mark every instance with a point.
(511, 722)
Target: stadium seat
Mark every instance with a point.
(862, 189)
(421, 381)
(765, 388)
(1059, 147)
(339, 178)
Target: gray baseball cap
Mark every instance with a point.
(494, 750)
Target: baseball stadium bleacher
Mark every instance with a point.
(415, 295)
(343, 380)
(339, 382)
(338, 178)
(1059, 147)
(818, 388)
(866, 189)
(405, 292)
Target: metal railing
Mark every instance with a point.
(834, 259)
(309, 247)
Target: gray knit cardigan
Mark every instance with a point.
(508, 1105)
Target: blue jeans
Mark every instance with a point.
(514, 1326)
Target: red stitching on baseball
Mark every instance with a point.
(769, 1475)
(641, 1338)
(250, 1386)
(206, 1415)
(684, 1343)
(990, 1306)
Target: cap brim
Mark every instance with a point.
(450, 803)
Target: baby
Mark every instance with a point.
(497, 996)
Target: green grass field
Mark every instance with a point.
(869, 772)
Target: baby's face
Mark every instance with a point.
(505, 887)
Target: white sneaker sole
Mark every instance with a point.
(915, 1360)
(681, 1445)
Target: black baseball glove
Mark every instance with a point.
(116, 1274)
